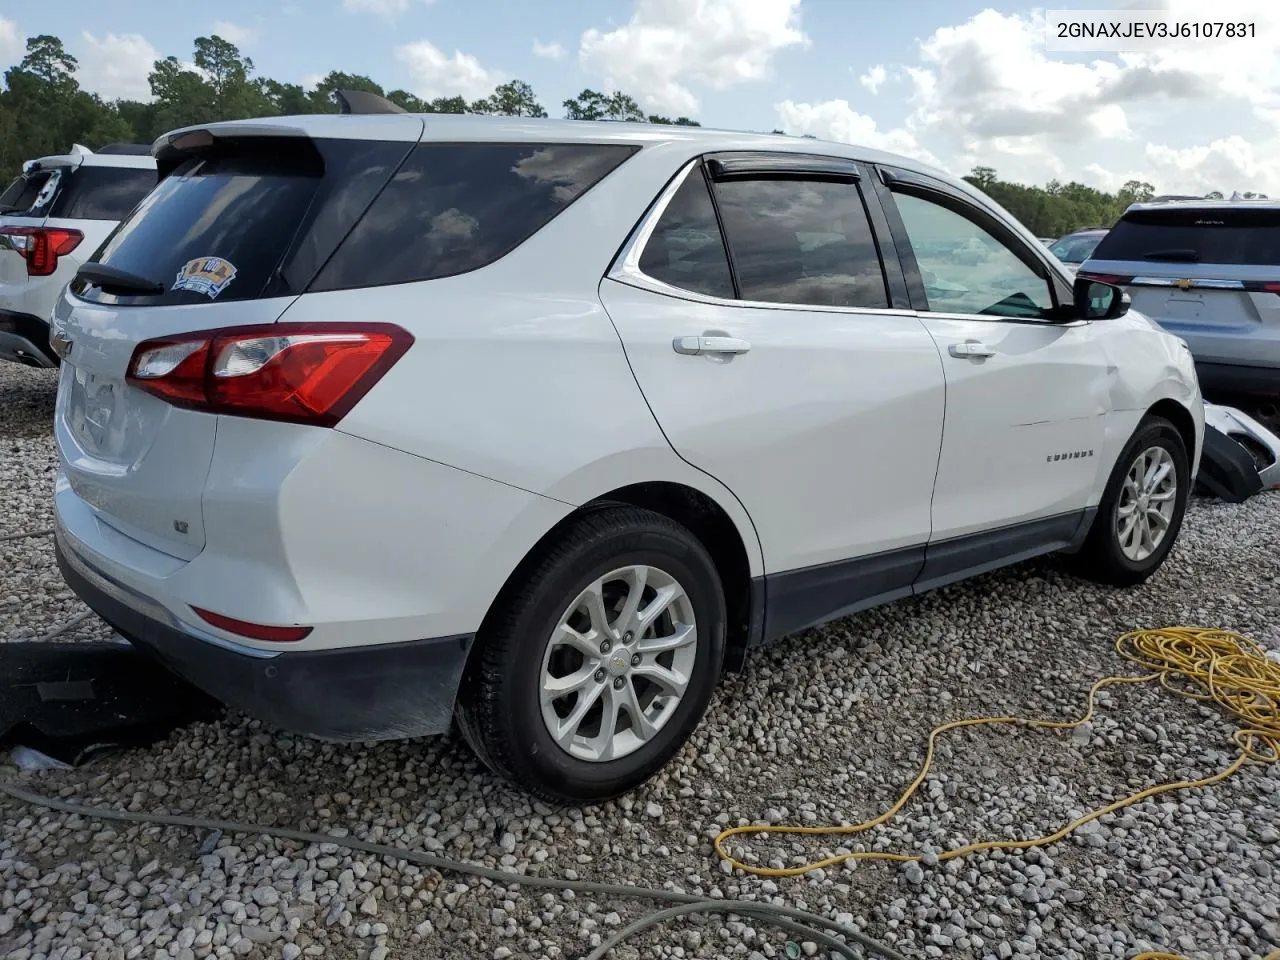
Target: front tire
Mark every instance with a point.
(598, 660)
(1141, 510)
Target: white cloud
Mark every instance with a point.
(837, 120)
(384, 8)
(117, 65)
(874, 78)
(669, 44)
(234, 33)
(548, 51)
(12, 43)
(435, 74)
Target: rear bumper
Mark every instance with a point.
(25, 339)
(1232, 383)
(369, 692)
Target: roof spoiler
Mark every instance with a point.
(125, 150)
(363, 102)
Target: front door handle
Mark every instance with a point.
(698, 346)
(970, 350)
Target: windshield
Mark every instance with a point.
(1076, 249)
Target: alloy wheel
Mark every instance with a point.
(618, 663)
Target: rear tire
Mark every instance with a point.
(1141, 510)
(598, 660)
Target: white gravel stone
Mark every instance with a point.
(823, 728)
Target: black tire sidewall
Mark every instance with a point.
(533, 753)
(1152, 433)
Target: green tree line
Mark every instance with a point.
(43, 110)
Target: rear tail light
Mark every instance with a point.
(299, 373)
(42, 246)
(1114, 279)
(1267, 287)
(254, 631)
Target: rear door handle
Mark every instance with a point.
(697, 346)
(970, 350)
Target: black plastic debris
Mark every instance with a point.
(1227, 470)
(71, 700)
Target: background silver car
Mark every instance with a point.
(1209, 272)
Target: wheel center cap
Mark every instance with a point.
(618, 662)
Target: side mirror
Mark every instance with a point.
(1095, 300)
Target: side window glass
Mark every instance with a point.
(965, 269)
(802, 241)
(686, 249)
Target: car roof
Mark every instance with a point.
(444, 126)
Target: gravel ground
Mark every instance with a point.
(826, 727)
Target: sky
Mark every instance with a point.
(951, 82)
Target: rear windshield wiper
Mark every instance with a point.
(1182, 255)
(115, 280)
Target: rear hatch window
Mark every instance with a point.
(1236, 236)
(248, 219)
(101, 193)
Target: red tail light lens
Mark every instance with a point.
(42, 246)
(1110, 278)
(254, 631)
(300, 373)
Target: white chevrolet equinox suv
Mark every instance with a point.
(368, 423)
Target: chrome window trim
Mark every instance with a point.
(626, 266)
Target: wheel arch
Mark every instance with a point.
(708, 521)
(1182, 420)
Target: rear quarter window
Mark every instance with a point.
(1237, 236)
(455, 207)
(30, 194)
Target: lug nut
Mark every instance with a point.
(635, 660)
(605, 646)
(600, 676)
(627, 638)
(617, 683)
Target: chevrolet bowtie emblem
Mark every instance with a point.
(1184, 284)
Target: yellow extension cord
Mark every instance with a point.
(1201, 664)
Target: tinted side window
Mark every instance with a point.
(29, 194)
(686, 248)
(965, 268)
(102, 193)
(1075, 249)
(802, 241)
(455, 207)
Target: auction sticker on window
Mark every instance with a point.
(207, 275)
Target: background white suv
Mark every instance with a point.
(365, 421)
(53, 216)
